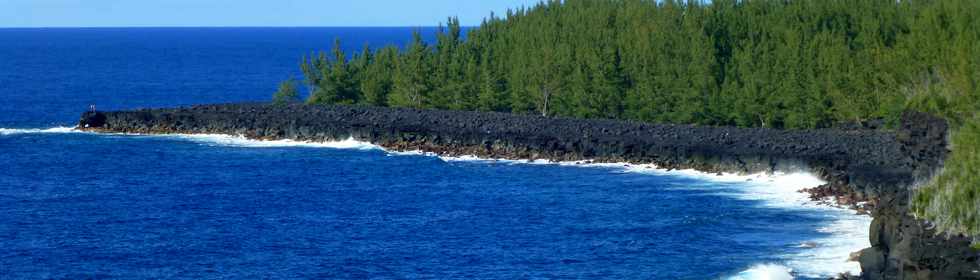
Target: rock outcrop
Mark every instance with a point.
(874, 167)
(907, 248)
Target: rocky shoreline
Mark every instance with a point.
(872, 168)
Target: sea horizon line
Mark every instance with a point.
(216, 27)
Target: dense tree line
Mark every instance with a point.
(783, 64)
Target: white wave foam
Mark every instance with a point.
(241, 141)
(823, 257)
(53, 130)
(470, 158)
(764, 272)
(409, 153)
(820, 258)
(848, 233)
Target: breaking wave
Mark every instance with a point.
(819, 258)
(764, 272)
(241, 141)
(60, 129)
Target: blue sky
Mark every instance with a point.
(115, 13)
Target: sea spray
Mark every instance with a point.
(764, 272)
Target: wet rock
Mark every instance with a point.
(904, 247)
(92, 120)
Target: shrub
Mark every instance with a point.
(287, 93)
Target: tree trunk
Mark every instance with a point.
(546, 93)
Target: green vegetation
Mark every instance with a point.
(952, 199)
(287, 93)
(780, 64)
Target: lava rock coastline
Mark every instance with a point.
(872, 168)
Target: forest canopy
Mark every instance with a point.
(780, 64)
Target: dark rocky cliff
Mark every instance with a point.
(902, 246)
(876, 167)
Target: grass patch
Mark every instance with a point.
(951, 199)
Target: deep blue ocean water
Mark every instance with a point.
(83, 205)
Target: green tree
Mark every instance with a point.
(411, 86)
(376, 80)
(288, 93)
(335, 80)
(780, 64)
(492, 95)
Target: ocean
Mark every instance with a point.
(87, 205)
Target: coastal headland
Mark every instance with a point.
(874, 170)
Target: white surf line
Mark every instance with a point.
(242, 141)
(52, 130)
(848, 233)
(216, 139)
(764, 272)
(820, 258)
